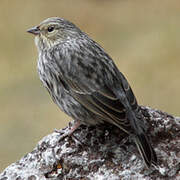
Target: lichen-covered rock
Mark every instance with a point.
(100, 153)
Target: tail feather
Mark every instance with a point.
(137, 127)
(146, 150)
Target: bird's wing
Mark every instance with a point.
(102, 102)
(92, 86)
(129, 93)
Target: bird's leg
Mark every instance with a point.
(64, 133)
(74, 127)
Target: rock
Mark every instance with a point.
(100, 153)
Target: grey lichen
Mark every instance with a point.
(100, 153)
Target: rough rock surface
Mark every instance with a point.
(100, 153)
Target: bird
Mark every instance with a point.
(83, 80)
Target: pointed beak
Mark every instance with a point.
(35, 30)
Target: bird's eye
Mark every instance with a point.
(50, 29)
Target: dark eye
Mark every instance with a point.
(50, 28)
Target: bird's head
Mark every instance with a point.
(53, 31)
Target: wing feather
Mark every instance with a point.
(104, 104)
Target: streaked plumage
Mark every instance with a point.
(84, 82)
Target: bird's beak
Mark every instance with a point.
(35, 30)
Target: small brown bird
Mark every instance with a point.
(84, 82)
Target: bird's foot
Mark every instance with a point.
(64, 133)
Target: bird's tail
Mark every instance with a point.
(146, 150)
(137, 126)
(142, 142)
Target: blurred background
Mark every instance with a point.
(143, 38)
